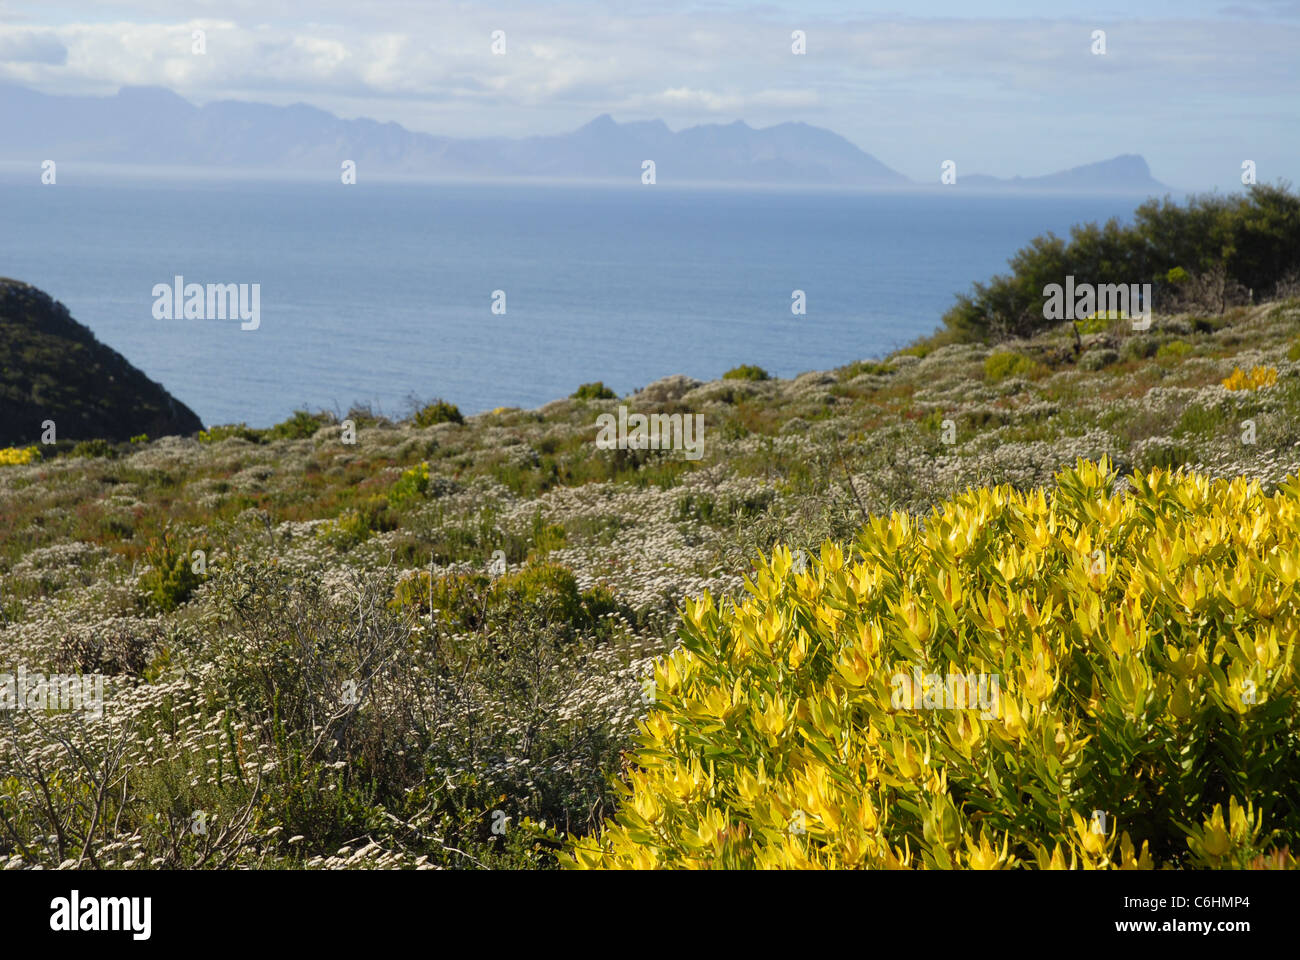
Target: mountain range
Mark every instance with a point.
(154, 126)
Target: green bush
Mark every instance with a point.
(301, 426)
(859, 367)
(549, 587)
(1000, 366)
(1139, 348)
(1253, 236)
(239, 431)
(594, 391)
(1173, 349)
(413, 484)
(1098, 358)
(746, 372)
(546, 536)
(1097, 323)
(170, 578)
(438, 412)
(355, 526)
(539, 591)
(94, 449)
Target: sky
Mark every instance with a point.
(997, 86)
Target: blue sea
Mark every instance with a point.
(382, 293)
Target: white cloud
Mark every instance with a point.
(986, 85)
(32, 46)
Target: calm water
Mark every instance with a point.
(377, 293)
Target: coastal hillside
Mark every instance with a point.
(53, 369)
(426, 642)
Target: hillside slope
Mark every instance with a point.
(53, 368)
(479, 599)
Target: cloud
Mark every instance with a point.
(32, 46)
(710, 101)
(990, 84)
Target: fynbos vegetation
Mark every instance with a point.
(438, 642)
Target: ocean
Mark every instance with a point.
(383, 293)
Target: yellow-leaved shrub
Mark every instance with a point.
(1142, 644)
(17, 456)
(1257, 379)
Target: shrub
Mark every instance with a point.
(1160, 452)
(301, 426)
(1139, 348)
(239, 431)
(363, 415)
(746, 372)
(1099, 322)
(355, 526)
(1258, 378)
(1173, 349)
(113, 650)
(438, 412)
(545, 593)
(1143, 647)
(17, 456)
(549, 586)
(94, 449)
(413, 484)
(594, 391)
(170, 579)
(859, 367)
(1000, 366)
(547, 536)
(1207, 252)
(1098, 358)
(456, 596)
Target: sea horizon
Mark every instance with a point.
(383, 292)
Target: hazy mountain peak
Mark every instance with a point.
(312, 142)
(145, 95)
(1126, 172)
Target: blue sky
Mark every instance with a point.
(998, 87)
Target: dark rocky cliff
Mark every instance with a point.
(53, 368)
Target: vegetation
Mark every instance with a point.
(1257, 378)
(1000, 366)
(19, 455)
(440, 645)
(594, 391)
(746, 371)
(52, 369)
(1212, 253)
(1082, 650)
(438, 412)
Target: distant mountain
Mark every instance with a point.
(153, 126)
(1125, 172)
(156, 127)
(53, 368)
